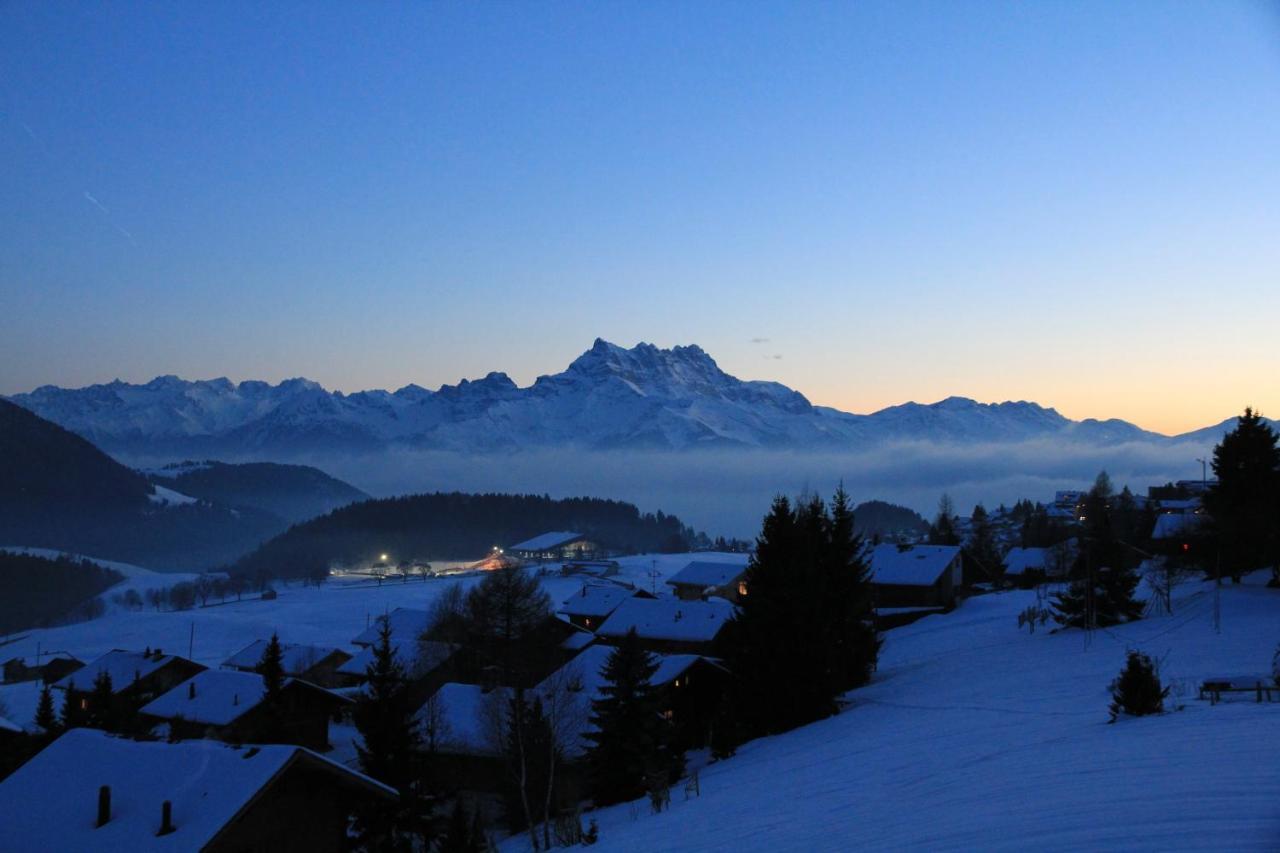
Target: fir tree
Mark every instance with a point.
(46, 717)
(851, 645)
(73, 715)
(1105, 576)
(982, 552)
(384, 716)
(943, 529)
(1245, 502)
(631, 740)
(1137, 691)
(102, 703)
(271, 668)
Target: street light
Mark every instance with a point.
(1204, 471)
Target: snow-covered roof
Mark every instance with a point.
(1172, 525)
(406, 623)
(704, 574)
(577, 641)
(50, 802)
(466, 712)
(418, 657)
(547, 541)
(1186, 505)
(220, 698)
(1019, 560)
(295, 658)
(595, 600)
(124, 667)
(46, 658)
(668, 619)
(917, 565)
(9, 726)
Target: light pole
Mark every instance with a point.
(1204, 473)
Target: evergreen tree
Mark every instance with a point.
(271, 668)
(384, 715)
(1105, 578)
(631, 741)
(943, 530)
(1137, 691)
(46, 717)
(982, 552)
(73, 715)
(102, 703)
(852, 645)
(1245, 503)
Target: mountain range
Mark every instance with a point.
(609, 397)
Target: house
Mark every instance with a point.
(90, 790)
(699, 579)
(230, 706)
(669, 625)
(591, 605)
(316, 664)
(461, 727)
(136, 677)
(407, 625)
(1027, 565)
(48, 668)
(1177, 525)
(422, 659)
(915, 575)
(556, 545)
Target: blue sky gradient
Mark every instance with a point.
(1075, 203)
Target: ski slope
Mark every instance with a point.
(975, 736)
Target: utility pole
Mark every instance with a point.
(191, 644)
(653, 577)
(1204, 473)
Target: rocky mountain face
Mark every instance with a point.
(609, 397)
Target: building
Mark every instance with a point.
(669, 625)
(915, 575)
(316, 664)
(407, 625)
(89, 790)
(1027, 565)
(422, 659)
(700, 579)
(590, 606)
(136, 677)
(49, 668)
(230, 706)
(555, 545)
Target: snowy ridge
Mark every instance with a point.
(609, 397)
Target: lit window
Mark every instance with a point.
(742, 587)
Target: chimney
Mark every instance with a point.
(104, 805)
(166, 818)
(191, 690)
(235, 699)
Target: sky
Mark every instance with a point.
(1071, 203)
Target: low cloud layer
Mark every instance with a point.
(728, 492)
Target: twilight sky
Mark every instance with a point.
(1073, 203)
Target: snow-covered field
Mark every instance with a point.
(329, 615)
(976, 736)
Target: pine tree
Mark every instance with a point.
(982, 552)
(1245, 503)
(271, 668)
(46, 717)
(852, 644)
(102, 703)
(943, 529)
(385, 717)
(73, 715)
(1137, 691)
(1105, 570)
(631, 741)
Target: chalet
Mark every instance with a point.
(461, 726)
(231, 706)
(1027, 565)
(89, 790)
(422, 659)
(1177, 526)
(48, 668)
(700, 579)
(669, 625)
(556, 545)
(915, 575)
(592, 604)
(407, 625)
(136, 677)
(316, 664)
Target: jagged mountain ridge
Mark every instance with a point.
(609, 397)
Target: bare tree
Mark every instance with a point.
(566, 708)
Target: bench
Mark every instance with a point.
(1259, 685)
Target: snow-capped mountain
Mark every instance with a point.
(608, 397)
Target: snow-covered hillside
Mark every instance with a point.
(609, 397)
(977, 736)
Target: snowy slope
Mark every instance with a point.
(975, 736)
(609, 397)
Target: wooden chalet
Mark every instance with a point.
(669, 625)
(316, 664)
(590, 606)
(915, 575)
(90, 790)
(136, 677)
(47, 668)
(701, 578)
(231, 706)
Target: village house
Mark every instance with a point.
(590, 606)
(556, 545)
(136, 677)
(669, 625)
(915, 576)
(90, 790)
(699, 579)
(49, 668)
(231, 706)
(316, 664)
(406, 623)
(424, 661)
